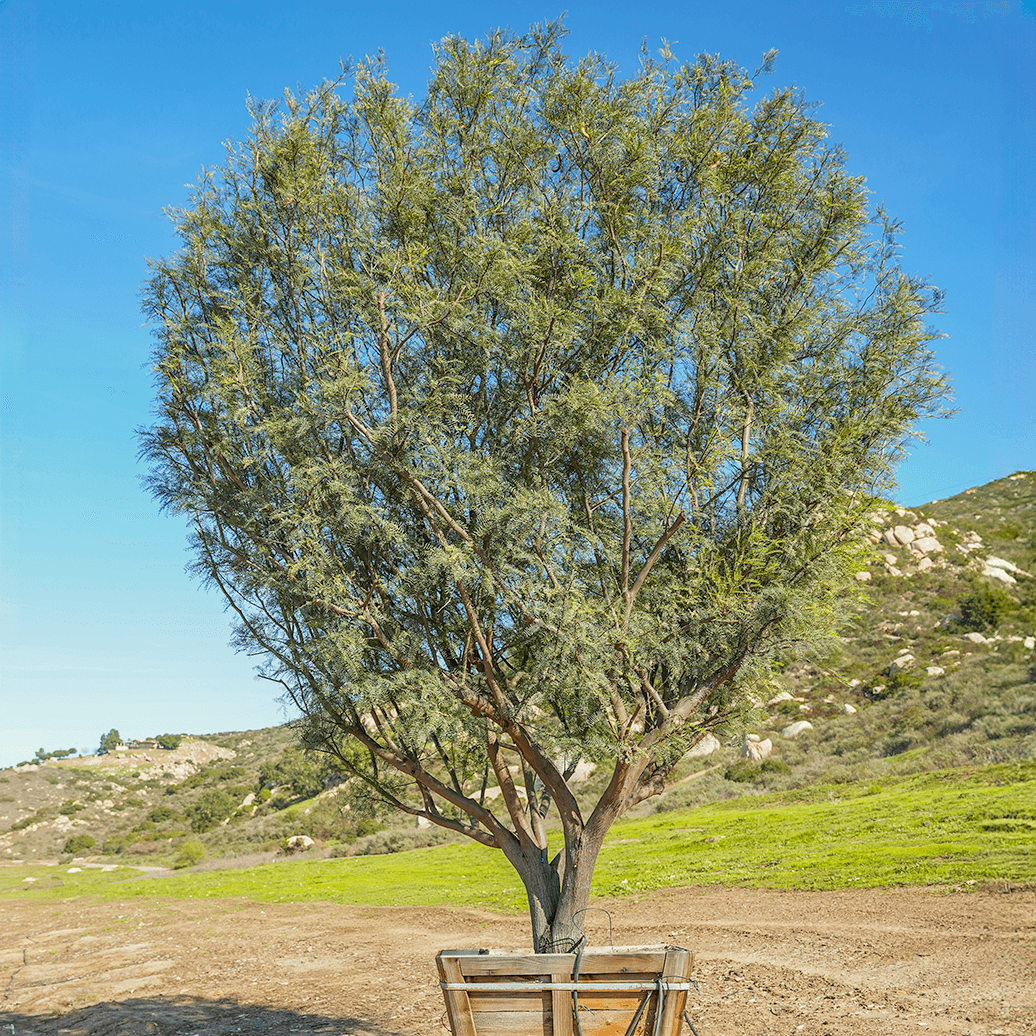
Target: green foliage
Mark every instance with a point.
(109, 742)
(162, 813)
(985, 606)
(299, 775)
(168, 741)
(191, 852)
(43, 756)
(77, 843)
(534, 418)
(212, 806)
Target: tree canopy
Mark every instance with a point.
(532, 420)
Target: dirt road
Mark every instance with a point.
(789, 963)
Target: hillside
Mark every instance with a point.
(936, 669)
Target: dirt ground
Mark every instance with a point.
(839, 964)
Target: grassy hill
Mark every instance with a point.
(936, 670)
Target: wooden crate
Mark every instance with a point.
(510, 993)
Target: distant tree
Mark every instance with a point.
(169, 741)
(109, 742)
(211, 807)
(302, 775)
(532, 421)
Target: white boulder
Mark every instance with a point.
(298, 843)
(796, 728)
(706, 746)
(926, 545)
(849, 710)
(903, 535)
(756, 750)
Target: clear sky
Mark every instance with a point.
(108, 111)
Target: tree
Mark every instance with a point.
(531, 422)
(109, 742)
(168, 741)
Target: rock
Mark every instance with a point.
(995, 562)
(298, 843)
(923, 529)
(892, 570)
(903, 535)
(889, 537)
(975, 638)
(926, 545)
(901, 664)
(1030, 643)
(805, 708)
(925, 564)
(423, 823)
(890, 559)
(863, 577)
(796, 728)
(783, 696)
(706, 746)
(756, 750)
(998, 573)
(854, 682)
(849, 710)
(74, 870)
(935, 670)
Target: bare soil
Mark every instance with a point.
(833, 963)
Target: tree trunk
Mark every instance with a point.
(558, 892)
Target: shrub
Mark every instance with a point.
(985, 606)
(741, 771)
(77, 843)
(191, 852)
(212, 807)
(168, 741)
(161, 813)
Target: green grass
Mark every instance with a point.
(939, 828)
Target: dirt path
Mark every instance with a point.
(789, 963)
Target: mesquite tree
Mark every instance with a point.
(530, 422)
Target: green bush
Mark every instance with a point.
(742, 771)
(77, 843)
(161, 813)
(985, 606)
(168, 741)
(191, 852)
(211, 807)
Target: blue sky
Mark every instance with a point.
(108, 111)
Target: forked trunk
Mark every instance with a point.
(558, 892)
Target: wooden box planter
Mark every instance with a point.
(627, 991)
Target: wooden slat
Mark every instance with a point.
(678, 964)
(550, 963)
(561, 1004)
(457, 1005)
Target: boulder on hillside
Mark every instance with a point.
(796, 728)
(706, 746)
(926, 545)
(297, 843)
(903, 535)
(755, 750)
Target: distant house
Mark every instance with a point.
(148, 742)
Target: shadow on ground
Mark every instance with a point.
(165, 1016)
